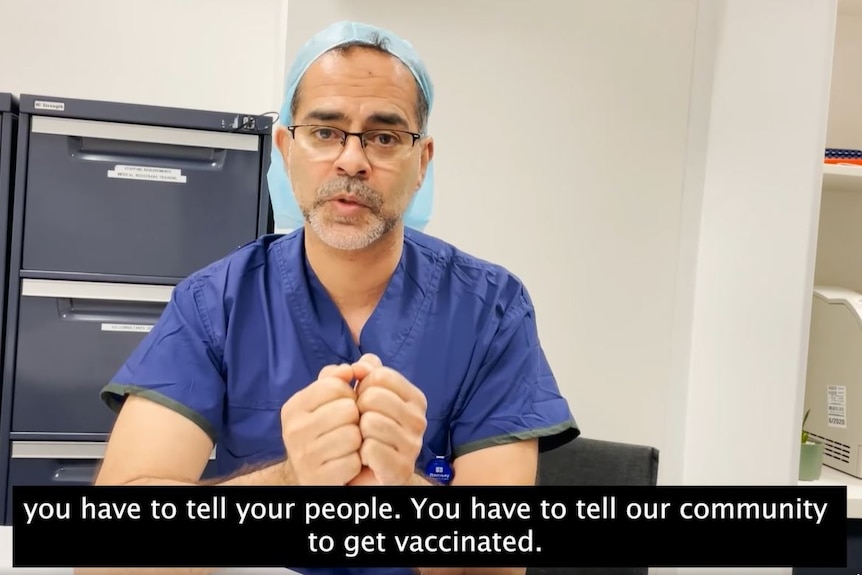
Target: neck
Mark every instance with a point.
(355, 279)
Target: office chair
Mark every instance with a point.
(586, 461)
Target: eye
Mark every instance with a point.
(385, 139)
(325, 134)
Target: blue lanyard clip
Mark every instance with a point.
(439, 470)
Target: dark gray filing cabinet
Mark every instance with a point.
(8, 143)
(114, 204)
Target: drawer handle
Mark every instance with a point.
(75, 474)
(141, 133)
(63, 450)
(58, 450)
(104, 291)
(145, 314)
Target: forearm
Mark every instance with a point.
(277, 474)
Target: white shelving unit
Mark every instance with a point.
(841, 177)
(840, 232)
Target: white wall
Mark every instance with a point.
(207, 54)
(752, 241)
(626, 158)
(749, 230)
(561, 130)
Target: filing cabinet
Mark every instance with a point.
(8, 144)
(114, 204)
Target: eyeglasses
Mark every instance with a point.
(326, 142)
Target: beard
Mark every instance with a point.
(349, 232)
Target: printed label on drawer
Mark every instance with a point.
(148, 174)
(43, 105)
(836, 406)
(127, 327)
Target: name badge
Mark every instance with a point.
(439, 470)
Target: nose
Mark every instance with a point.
(352, 161)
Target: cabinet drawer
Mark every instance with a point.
(133, 200)
(46, 463)
(72, 338)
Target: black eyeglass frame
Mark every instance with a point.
(416, 137)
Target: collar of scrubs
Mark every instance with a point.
(396, 315)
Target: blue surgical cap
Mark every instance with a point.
(286, 211)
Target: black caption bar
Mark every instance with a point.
(429, 526)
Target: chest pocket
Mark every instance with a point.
(253, 435)
(257, 390)
(259, 380)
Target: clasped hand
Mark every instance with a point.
(336, 434)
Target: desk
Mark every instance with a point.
(833, 477)
(7, 569)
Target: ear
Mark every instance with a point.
(283, 140)
(426, 155)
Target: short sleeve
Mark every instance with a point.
(176, 364)
(514, 395)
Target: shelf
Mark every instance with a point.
(842, 177)
(832, 477)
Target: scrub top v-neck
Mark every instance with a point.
(320, 320)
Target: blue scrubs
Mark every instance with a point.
(242, 335)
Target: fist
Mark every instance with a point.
(320, 430)
(391, 422)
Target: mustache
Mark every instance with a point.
(353, 186)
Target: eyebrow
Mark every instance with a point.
(384, 118)
(325, 116)
(388, 119)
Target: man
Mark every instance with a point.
(258, 353)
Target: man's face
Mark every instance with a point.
(351, 195)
